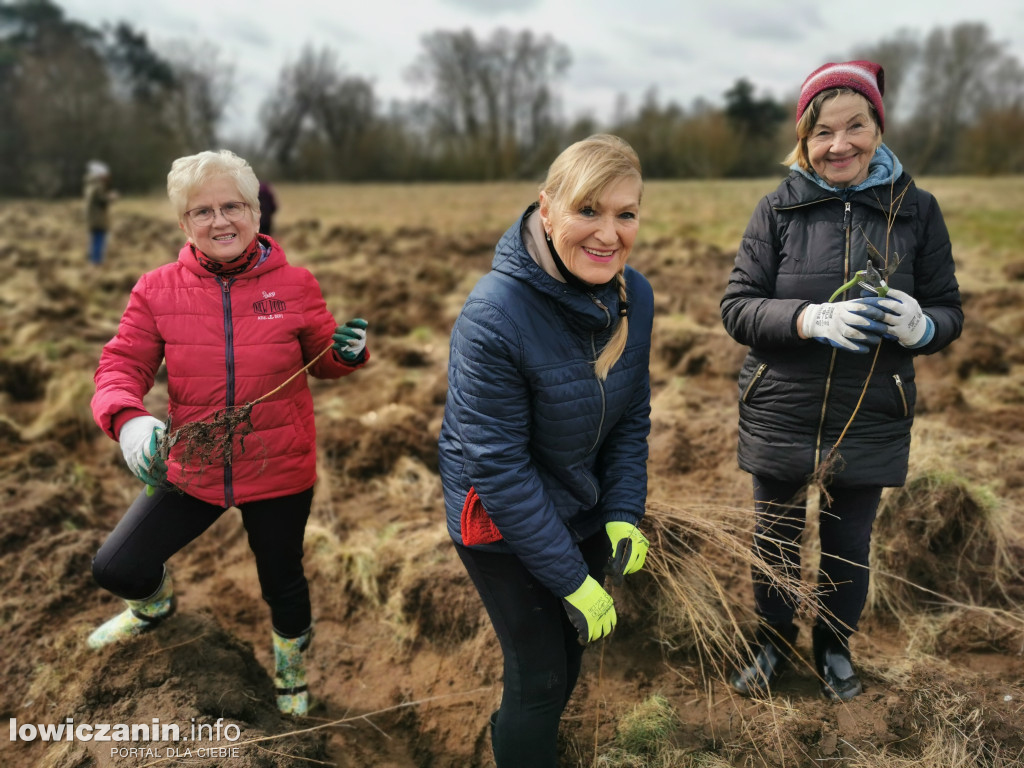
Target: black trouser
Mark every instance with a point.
(541, 648)
(845, 534)
(130, 563)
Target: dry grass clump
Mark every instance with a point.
(374, 444)
(649, 724)
(644, 739)
(944, 721)
(940, 541)
(396, 570)
(973, 629)
(692, 609)
(65, 416)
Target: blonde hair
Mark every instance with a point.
(579, 175)
(189, 173)
(809, 119)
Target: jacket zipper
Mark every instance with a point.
(832, 360)
(600, 384)
(903, 394)
(600, 387)
(229, 361)
(754, 382)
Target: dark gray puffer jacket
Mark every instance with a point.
(796, 395)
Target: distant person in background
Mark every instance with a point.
(543, 446)
(844, 275)
(233, 321)
(268, 207)
(98, 197)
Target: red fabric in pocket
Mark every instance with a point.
(476, 525)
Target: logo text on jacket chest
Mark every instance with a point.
(269, 308)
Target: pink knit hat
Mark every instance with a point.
(865, 77)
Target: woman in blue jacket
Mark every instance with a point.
(543, 448)
(848, 221)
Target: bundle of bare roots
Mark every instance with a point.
(211, 441)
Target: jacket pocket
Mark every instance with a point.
(475, 524)
(901, 395)
(755, 381)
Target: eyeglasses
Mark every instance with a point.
(204, 216)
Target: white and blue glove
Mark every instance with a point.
(350, 340)
(907, 323)
(140, 440)
(856, 325)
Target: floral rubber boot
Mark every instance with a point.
(290, 672)
(140, 616)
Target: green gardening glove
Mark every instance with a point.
(350, 340)
(629, 550)
(591, 610)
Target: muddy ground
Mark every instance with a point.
(405, 667)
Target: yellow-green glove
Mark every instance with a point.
(591, 610)
(629, 550)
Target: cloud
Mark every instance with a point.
(488, 7)
(774, 23)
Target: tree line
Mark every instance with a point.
(69, 92)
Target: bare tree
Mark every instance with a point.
(60, 98)
(993, 143)
(316, 110)
(54, 95)
(898, 55)
(958, 69)
(204, 85)
(492, 102)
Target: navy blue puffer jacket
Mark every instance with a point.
(550, 452)
(796, 396)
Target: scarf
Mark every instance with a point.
(884, 168)
(238, 265)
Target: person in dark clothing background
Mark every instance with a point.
(844, 275)
(268, 207)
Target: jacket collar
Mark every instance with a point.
(595, 308)
(798, 189)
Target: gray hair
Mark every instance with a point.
(189, 173)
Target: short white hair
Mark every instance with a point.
(96, 169)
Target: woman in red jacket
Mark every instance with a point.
(233, 321)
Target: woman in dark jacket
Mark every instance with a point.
(543, 447)
(847, 252)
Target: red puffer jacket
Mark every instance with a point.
(227, 341)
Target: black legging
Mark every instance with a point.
(542, 653)
(130, 562)
(845, 534)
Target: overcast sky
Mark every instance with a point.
(684, 49)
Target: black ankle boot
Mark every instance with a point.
(770, 658)
(839, 681)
